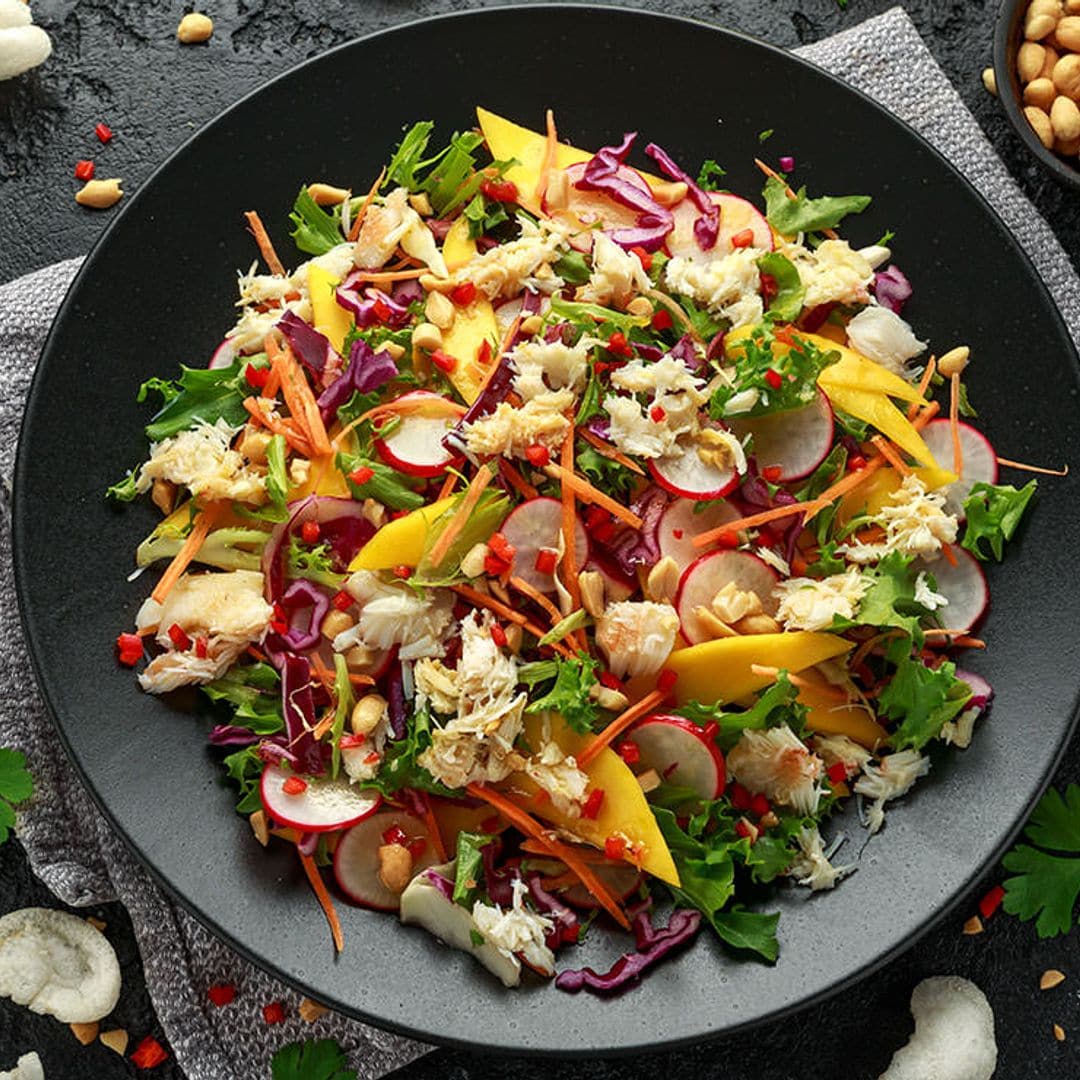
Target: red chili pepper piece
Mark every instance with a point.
(443, 361)
(371, 758)
(501, 548)
(614, 847)
(677, 533)
(256, 376)
(221, 994)
(494, 566)
(342, 601)
(349, 741)
(666, 680)
(500, 190)
(381, 309)
(546, 561)
(774, 379)
(837, 773)
(744, 830)
(855, 462)
(772, 473)
(618, 344)
(657, 414)
(395, 834)
(728, 539)
(498, 635)
(179, 638)
(416, 847)
(274, 1013)
(484, 353)
(740, 797)
(611, 681)
(759, 805)
(310, 532)
(361, 475)
(595, 516)
(661, 319)
(103, 132)
(591, 810)
(464, 294)
(743, 238)
(630, 752)
(201, 648)
(84, 170)
(538, 455)
(148, 1053)
(402, 571)
(991, 901)
(294, 785)
(644, 257)
(130, 649)
(766, 537)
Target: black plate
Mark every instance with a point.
(159, 289)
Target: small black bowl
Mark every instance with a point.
(1008, 36)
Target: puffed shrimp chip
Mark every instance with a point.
(28, 1067)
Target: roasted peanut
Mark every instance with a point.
(395, 867)
(1066, 76)
(194, 27)
(1037, 27)
(260, 827)
(1068, 33)
(1029, 61)
(591, 584)
(336, 622)
(439, 310)
(311, 1010)
(327, 194)
(427, 336)
(1065, 118)
(954, 361)
(757, 624)
(421, 204)
(1040, 93)
(367, 713)
(1040, 123)
(663, 581)
(640, 307)
(1050, 58)
(670, 192)
(116, 1040)
(163, 495)
(989, 80)
(85, 1033)
(99, 194)
(531, 324)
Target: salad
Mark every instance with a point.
(566, 541)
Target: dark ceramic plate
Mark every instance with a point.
(158, 290)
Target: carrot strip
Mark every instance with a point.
(617, 726)
(278, 426)
(924, 385)
(950, 555)
(588, 494)
(323, 896)
(354, 230)
(361, 680)
(266, 247)
(538, 598)
(954, 424)
(484, 475)
(889, 453)
(965, 642)
(706, 538)
(1032, 468)
(525, 822)
(301, 401)
(551, 149)
(569, 521)
(448, 486)
(586, 855)
(504, 611)
(204, 521)
(928, 413)
(830, 233)
(432, 823)
(605, 449)
(516, 480)
(392, 275)
(273, 384)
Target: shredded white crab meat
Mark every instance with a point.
(959, 732)
(558, 774)
(477, 744)
(201, 460)
(616, 275)
(812, 866)
(391, 224)
(839, 749)
(812, 604)
(523, 263)
(510, 431)
(516, 930)
(636, 636)
(775, 763)
(892, 777)
(831, 273)
(926, 596)
(543, 366)
(914, 523)
(227, 611)
(729, 286)
(882, 336)
(394, 614)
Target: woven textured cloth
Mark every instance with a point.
(70, 846)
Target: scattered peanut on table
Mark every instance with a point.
(194, 28)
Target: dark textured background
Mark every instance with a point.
(117, 61)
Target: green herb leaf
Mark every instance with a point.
(993, 514)
(788, 301)
(572, 268)
(386, 485)
(313, 563)
(569, 694)
(315, 231)
(588, 315)
(316, 1059)
(476, 937)
(890, 600)
(245, 769)
(400, 768)
(206, 395)
(921, 698)
(254, 692)
(603, 473)
(803, 214)
(765, 135)
(125, 490)
(776, 704)
(488, 514)
(234, 548)
(165, 387)
(751, 930)
(708, 175)
(470, 867)
(16, 786)
(343, 706)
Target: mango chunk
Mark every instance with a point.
(719, 671)
(324, 478)
(624, 811)
(327, 315)
(458, 247)
(400, 542)
(879, 412)
(827, 717)
(472, 326)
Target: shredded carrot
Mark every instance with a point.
(605, 449)
(278, 426)
(266, 248)
(272, 385)
(926, 415)
(569, 521)
(965, 642)
(149, 631)
(204, 521)
(448, 486)
(538, 598)
(432, 823)
(834, 693)
(1032, 468)
(586, 855)
(830, 233)
(762, 518)
(256, 654)
(587, 493)
(301, 401)
(924, 385)
(891, 455)
(504, 611)
(327, 721)
(484, 475)
(950, 555)
(937, 632)
(323, 896)
(354, 230)
(532, 828)
(518, 482)
(361, 680)
(547, 164)
(617, 726)
(954, 424)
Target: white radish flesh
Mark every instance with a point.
(796, 441)
(356, 859)
(323, 806)
(680, 523)
(587, 210)
(535, 526)
(964, 586)
(691, 478)
(736, 216)
(682, 752)
(414, 445)
(705, 577)
(979, 460)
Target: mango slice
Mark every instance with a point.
(327, 315)
(458, 247)
(472, 326)
(875, 492)
(624, 811)
(719, 671)
(400, 542)
(880, 413)
(828, 718)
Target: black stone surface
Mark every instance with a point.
(118, 61)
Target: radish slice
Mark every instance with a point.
(415, 445)
(356, 860)
(535, 525)
(324, 805)
(680, 523)
(705, 577)
(223, 356)
(796, 442)
(964, 585)
(691, 478)
(736, 216)
(682, 752)
(982, 693)
(586, 210)
(979, 465)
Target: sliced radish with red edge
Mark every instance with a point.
(706, 576)
(533, 526)
(681, 522)
(682, 752)
(691, 478)
(322, 806)
(415, 443)
(963, 585)
(979, 460)
(796, 441)
(736, 216)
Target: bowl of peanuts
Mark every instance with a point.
(1037, 75)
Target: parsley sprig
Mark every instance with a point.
(315, 1059)
(15, 787)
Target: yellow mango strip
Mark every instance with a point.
(327, 315)
(464, 339)
(828, 717)
(858, 372)
(877, 410)
(458, 247)
(400, 542)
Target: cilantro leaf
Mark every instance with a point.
(470, 867)
(408, 157)
(790, 291)
(921, 698)
(245, 769)
(1046, 887)
(15, 787)
(803, 214)
(315, 1059)
(569, 694)
(993, 514)
(315, 231)
(603, 473)
(708, 175)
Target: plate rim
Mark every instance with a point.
(21, 544)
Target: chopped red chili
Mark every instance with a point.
(614, 847)
(130, 648)
(274, 1013)
(591, 810)
(148, 1053)
(395, 834)
(342, 600)
(774, 379)
(837, 773)
(484, 353)
(464, 294)
(743, 238)
(84, 170)
(991, 901)
(498, 635)
(772, 473)
(546, 560)
(657, 414)
(179, 638)
(361, 475)
(294, 785)
(666, 680)
(500, 190)
(630, 752)
(644, 257)
(221, 994)
(538, 455)
(103, 132)
(443, 361)
(501, 548)
(661, 319)
(310, 532)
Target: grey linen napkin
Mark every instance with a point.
(82, 864)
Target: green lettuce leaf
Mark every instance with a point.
(993, 514)
(803, 214)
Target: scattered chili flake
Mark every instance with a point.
(743, 238)
(361, 475)
(991, 901)
(294, 785)
(630, 752)
(416, 847)
(103, 132)
(310, 532)
(402, 571)
(395, 514)
(130, 649)
(221, 994)
(743, 827)
(464, 294)
(501, 548)
(178, 637)
(256, 376)
(84, 170)
(767, 538)
(618, 344)
(666, 680)
(591, 810)
(381, 309)
(759, 805)
(274, 1013)
(614, 847)
(657, 414)
(856, 462)
(342, 600)
(498, 635)
(728, 539)
(349, 741)
(538, 455)
(148, 1053)
(774, 379)
(484, 353)
(740, 797)
(201, 650)
(610, 680)
(279, 623)
(494, 566)
(546, 561)
(661, 319)
(644, 257)
(500, 190)
(837, 773)
(443, 361)
(395, 834)
(772, 473)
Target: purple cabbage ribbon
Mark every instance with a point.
(707, 226)
(368, 370)
(892, 288)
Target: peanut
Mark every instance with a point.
(591, 584)
(1072, 7)
(310, 1010)
(395, 867)
(649, 780)
(163, 495)
(374, 512)
(954, 361)
(1044, 7)
(1040, 123)
(367, 713)
(360, 659)
(194, 27)
(670, 192)
(1036, 27)
(395, 350)
(1066, 76)
(336, 622)
(85, 1033)
(116, 1040)
(472, 565)
(1040, 93)
(514, 635)
(1029, 61)
(1059, 1032)
(757, 624)
(710, 623)
(557, 193)
(327, 194)
(439, 310)
(99, 194)
(1065, 118)
(663, 581)
(1050, 58)
(639, 307)
(421, 204)
(299, 471)
(427, 336)
(1068, 33)
(989, 80)
(1051, 978)
(96, 923)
